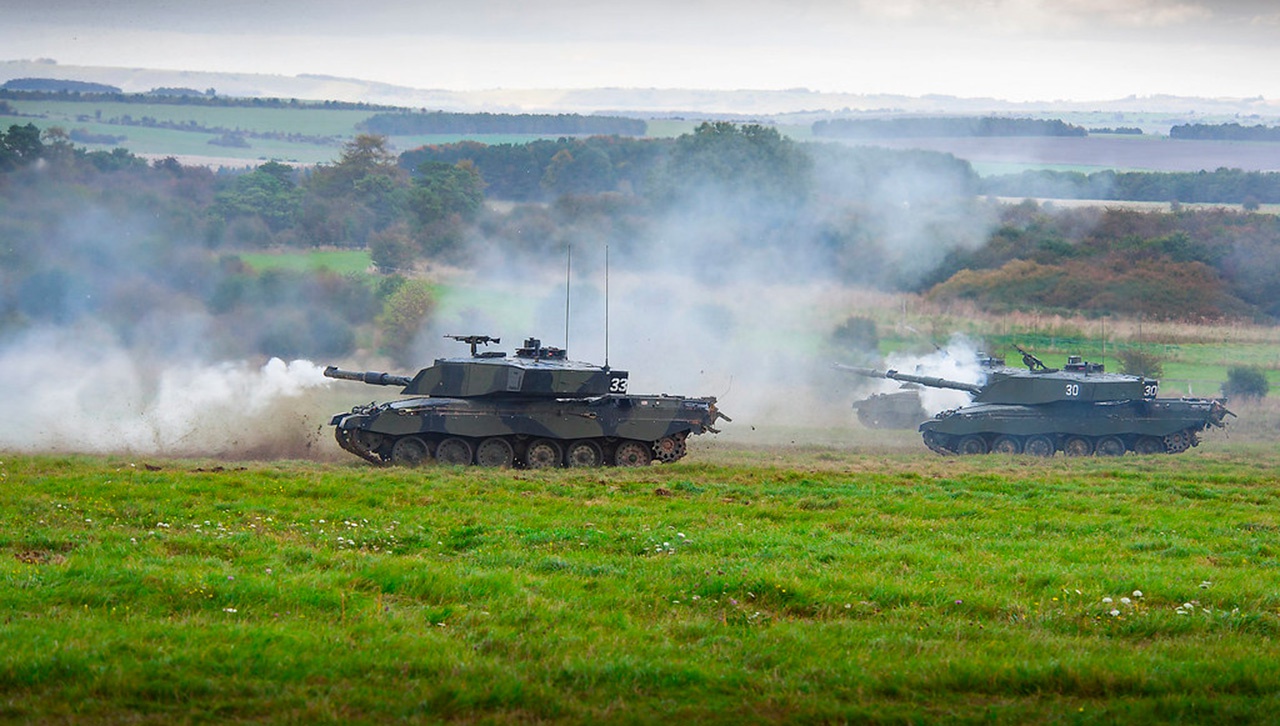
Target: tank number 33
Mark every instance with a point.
(617, 385)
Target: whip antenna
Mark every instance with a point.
(606, 306)
(568, 270)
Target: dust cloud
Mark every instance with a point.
(78, 390)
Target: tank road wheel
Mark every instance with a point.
(1006, 445)
(585, 454)
(410, 451)
(632, 453)
(1147, 445)
(1110, 446)
(971, 445)
(669, 448)
(542, 454)
(1039, 446)
(454, 452)
(1077, 446)
(495, 452)
(1177, 442)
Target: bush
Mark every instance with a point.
(405, 312)
(1137, 362)
(1246, 382)
(858, 334)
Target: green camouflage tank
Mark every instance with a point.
(535, 409)
(1079, 410)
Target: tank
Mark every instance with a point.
(904, 408)
(535, 409)
(900, 409)
(1079, 410)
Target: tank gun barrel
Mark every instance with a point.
(372, 377)
(930, 381)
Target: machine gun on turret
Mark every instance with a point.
(1033, 363)
(476, 340)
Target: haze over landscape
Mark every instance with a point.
(1019, 50)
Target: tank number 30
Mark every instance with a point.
(617, 385)
(1150, 390)
(1073, 390)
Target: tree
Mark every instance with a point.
(1246, 382)
(752, 164)
(363, 193)
(19, 147)
(267, 193)
(393, 249)
(403, 315)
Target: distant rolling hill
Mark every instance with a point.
(797, 102)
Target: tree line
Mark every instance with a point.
(917, 127)
(1221, 186)
(207, 98)
(412, 123)
(1225, 132)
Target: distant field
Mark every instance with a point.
(341, 261)
(1148, 152)
(1094, 153)
(747, 585)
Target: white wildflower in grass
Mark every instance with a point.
(1188, 606)
(228, 610)
(1203, 586)
(1115, 613)
(1106, 600)
(1137, 593)
(1125, 600)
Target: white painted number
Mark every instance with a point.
(617, 385)
(1150, 390)
(1073, 390)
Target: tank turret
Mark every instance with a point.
(535, 408)
(1079, 409)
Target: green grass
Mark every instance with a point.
(827, 587)
(340, 261)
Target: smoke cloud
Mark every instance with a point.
(78, 390)
(710, 294)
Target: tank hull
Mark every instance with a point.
(615, 429)
(1139, 426)
(898, 410)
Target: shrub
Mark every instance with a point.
(857, 333)
(1137, 362)
(1246, 382)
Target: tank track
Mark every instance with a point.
(1175, 443)
(509, 451)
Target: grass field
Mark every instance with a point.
(340, 261)
(757, 584)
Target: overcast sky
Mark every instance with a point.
(1012, 49)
